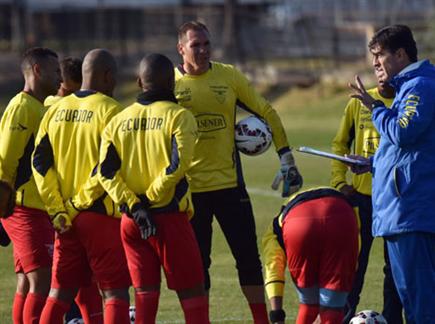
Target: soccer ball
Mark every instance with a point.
(132, 312)
(368, 317)
(253, 136)
(76, 321)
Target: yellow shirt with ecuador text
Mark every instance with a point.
(66, 154)
(356, 128)
(212, 98)
(146, 150)
(18, 128)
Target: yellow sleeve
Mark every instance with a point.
(250, 100)
(274, 264)
(108, 172)
(184, 136)
(342, 143)
(17, 127)
(43, 170)
(91, 189)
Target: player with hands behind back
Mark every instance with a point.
(145, 152)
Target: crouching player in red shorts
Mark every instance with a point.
(144, 154)
(316, 234)
(88, 241)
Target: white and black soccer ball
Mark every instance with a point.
(253, 136)
(76, 321)
(368, 317)
(132, 313)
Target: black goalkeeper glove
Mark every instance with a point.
(143, 219)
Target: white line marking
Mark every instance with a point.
(222, 320)
(264, 192)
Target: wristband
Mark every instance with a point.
(277, 315)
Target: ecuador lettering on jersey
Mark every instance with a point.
(74, 115)
(146, 150)
(142, 124)
(67, 151)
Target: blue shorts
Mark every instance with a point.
(412, 257)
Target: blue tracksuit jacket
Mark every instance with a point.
(404, 165)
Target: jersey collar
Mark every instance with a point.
(150, 96)
(183, 72)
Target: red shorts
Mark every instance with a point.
(321, 243)
(32, 236)
(91, 249)
(174, 247)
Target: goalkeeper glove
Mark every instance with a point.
(289, 175)
(143, 219)
(61, 222)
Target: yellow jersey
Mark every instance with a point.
(67, 150)
(146, 150)
(212, 97)
(356, 128)
(18, 128)
(51, 100)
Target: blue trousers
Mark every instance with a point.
(392, 306)
(412, 257)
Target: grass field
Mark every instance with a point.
(311, 117)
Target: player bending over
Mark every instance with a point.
(316, 235)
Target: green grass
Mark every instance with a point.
(311, 117)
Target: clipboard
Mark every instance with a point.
(309, 150)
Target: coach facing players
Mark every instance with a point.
(211, 91)
(403, 167)
(143, 168)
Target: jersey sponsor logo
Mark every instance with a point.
(210, 122)
(220, 92)
(371, 144)
(18, 127)
(74, 115)
(141, 124)
(183, 95)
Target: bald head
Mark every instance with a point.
(156, 72)
(99, 71)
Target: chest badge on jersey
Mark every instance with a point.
(183, 95)
(220, 92)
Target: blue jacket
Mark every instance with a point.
(404, 165)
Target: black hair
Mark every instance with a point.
(190, 25)
(36, 55)
(71, 68)
(393, 37)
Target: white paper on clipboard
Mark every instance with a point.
(309, 150)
